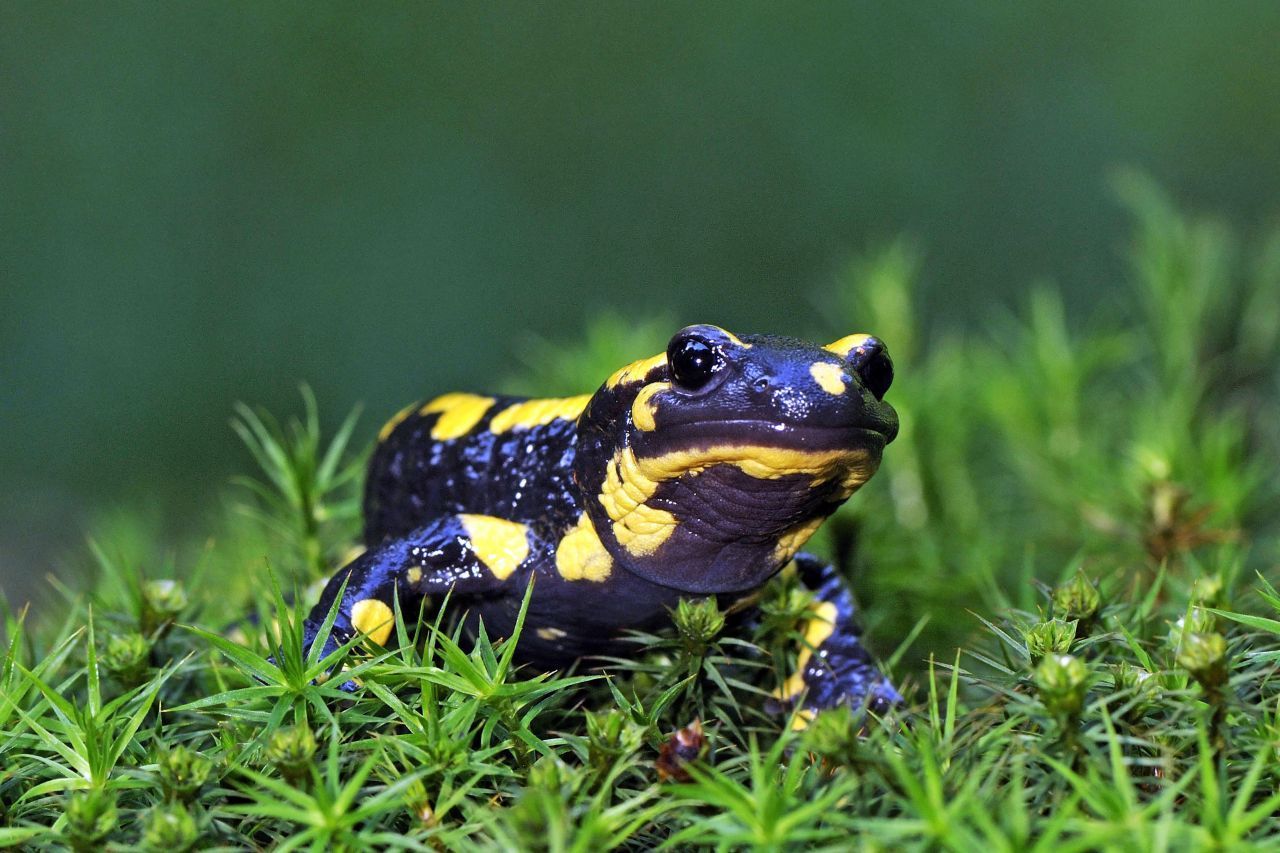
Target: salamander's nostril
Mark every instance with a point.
(761, 384)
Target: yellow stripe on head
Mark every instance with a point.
(459, 413)
(532, 413)
(642, 407)
(374, 618)
(847, 344)
(500, 544)
(636, 371)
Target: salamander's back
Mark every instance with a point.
(509, 457)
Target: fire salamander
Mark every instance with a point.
(698, 472)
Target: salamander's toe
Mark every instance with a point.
(883, 699)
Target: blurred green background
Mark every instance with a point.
(204, 203)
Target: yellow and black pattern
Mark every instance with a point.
(463, 554)
(832, 667)
(698, 471)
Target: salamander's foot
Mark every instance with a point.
(842, 673)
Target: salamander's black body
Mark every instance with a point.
(700, 471)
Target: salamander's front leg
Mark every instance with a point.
(833, 667)
(463, 553)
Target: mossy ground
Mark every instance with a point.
(1066, 562)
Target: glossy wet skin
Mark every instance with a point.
(713, 469)
(701, 470)
(766, 389)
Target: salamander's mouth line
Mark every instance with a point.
(772, 435)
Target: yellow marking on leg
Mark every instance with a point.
(847, 344)
(830, 377)
(414, 575)
(636, 371)
(581, 555)
(459, 413)
(551, 634)
(532, 413)
(642, 409)
(500, 544)
(793, 539)
(390, 426)
(820, 626)
(374, 618)
(802, 719)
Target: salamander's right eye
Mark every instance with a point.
(874, 367)
(694, 361)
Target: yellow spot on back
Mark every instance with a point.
(820, 626)
(533, 413)
(580, 554)
(642, 408)
(847, 344)
(390, 426)
(459, 413)
(636, 370)
(500, 544)
(830, 377)
(374, 618)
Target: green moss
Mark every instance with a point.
(1098, 494)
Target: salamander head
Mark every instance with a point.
(705, 468)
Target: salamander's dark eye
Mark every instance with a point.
(874, 367)
(693, 362)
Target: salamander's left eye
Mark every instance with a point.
(693, 361)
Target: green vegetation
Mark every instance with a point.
(1067, 562)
